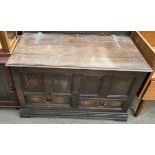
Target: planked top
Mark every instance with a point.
(78, 51)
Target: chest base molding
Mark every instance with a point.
(106, 114)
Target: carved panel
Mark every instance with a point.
(120, 86)
(90, 85)
(61, 83)
(33, 82)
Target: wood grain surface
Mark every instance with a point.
(78, 51)
(153, 76)
(145, 43)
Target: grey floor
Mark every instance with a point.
(11, 116)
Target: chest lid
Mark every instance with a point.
(78, 51)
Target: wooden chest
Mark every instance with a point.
(77, 75)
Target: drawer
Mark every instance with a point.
(98, 103)
(150, 92)
(55, 100)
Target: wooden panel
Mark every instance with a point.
(106, 86)
(120, 86)
(78, 51)
(150, 92)
(98, 103)
(152, 86)
(58, 100)
(33, 83)
(61, 100)
(149, 37)
(34, 99)
(90, 85)
(61, 83)
(145, 48)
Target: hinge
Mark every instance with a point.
(38, 37)
(115, 40)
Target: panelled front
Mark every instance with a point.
(83, 89)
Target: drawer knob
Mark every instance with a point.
(47, 99)
(101, 103)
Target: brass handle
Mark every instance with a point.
(47, 99)
(97, 104)
(11, 88)
(101, 103)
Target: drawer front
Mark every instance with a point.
(34, 99)
(150, 92)
(55, 100)
(98, 103)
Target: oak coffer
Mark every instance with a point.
(77, 75)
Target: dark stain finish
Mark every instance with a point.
(72, 90)
(78, 51)
(76, 75)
